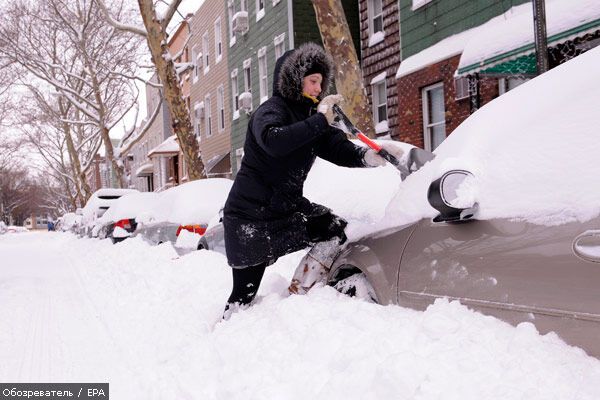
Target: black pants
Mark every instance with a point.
(245, 284)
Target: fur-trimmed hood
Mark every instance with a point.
(292, 67)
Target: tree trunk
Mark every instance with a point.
(78, 175)
(338, 42)
(180, 117)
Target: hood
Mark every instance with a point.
(293, 64)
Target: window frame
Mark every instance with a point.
(427, 126)
(218, 40)
(260, 12)
(207, 116)
(206, 52)
(230, 14)
(279, 44)
(235, 94)
(380, 102)
(221, 108)
(371, 22)
(263, 72)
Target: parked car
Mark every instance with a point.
(96, 206)
(214, 237)
(122, 218)
(68, 222)
(513, 230)
(188, 207)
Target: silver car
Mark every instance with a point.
(513, 270)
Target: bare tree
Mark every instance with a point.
(155, 32)
(349, 77)
(89, 63)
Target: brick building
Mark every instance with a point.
(458, 55)
(380, 50)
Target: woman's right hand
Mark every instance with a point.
(325, 107)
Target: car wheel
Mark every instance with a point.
(200, 246)
(357, 285)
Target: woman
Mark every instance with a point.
(266, 215)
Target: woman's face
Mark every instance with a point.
(311, 84)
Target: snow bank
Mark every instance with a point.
(151, 326)
(533, 151)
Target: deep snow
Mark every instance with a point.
(144, 320)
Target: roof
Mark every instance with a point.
(511, 36)
(168, 147)
(145, 169)
(508, 37)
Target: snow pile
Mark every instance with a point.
(187, 240)
(151, 326)
(532, 151)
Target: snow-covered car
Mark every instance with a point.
(187, 207)
(68, 222)
(16, 229)
(96, 206)
(505, 219)
(122, 218)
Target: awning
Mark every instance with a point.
(213, 162)
(169, 147)
(505, 44)
(145, 169)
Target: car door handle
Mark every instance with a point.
(587, 246)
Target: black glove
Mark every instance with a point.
(326, 226)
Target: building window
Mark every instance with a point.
(221, 107)
(207, 116)
(218, 41)
(506, 84)
(434, 116)
(376, 33)
(260, 9)
(248, 76)
(235, 95)
(279, 43)
(380, 118)
(197, 118)
(230, 14)
(196, 59)
(262, 74)
(205, 52)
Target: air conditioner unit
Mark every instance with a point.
(245, 100)
(240, 22)
(200, 110)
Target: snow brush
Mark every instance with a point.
(404, 171)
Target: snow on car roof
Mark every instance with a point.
(192, 202)
(135, 205)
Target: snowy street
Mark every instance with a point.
(144, 320)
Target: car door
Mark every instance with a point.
(516, 271)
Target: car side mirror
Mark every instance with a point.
(443, 196)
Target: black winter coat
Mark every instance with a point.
(265, 214)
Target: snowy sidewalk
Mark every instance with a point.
(138, 317)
